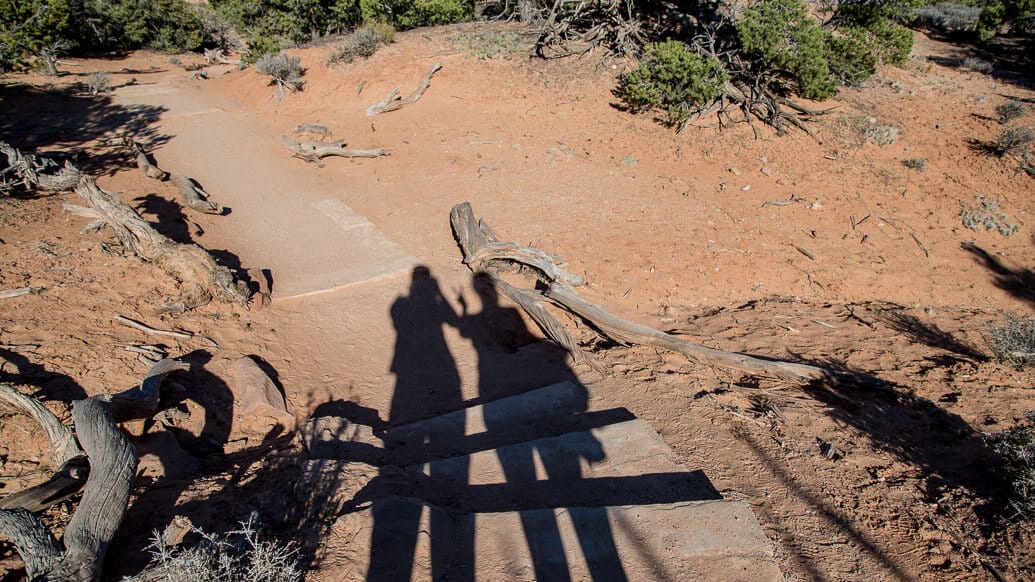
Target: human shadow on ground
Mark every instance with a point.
(41, 119)
(1019, 282)
(427, 470)
(915, 430)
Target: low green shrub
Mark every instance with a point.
(1010, 111)
(781, 35)
(1015, 140)
(260, 46)
(286, 71)
(673, 78)
(988, 216)
(1016, 451)
(1013, 340)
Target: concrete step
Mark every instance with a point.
(401, 538)
(548, 411)
(619, 464)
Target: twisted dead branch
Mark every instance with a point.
(484, 253)
(199, 277)
(144, 161)
(577, 28)
(78, 556)
(314, 151)
(194, 197)
(393, 101)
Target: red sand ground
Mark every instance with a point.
(667, 232)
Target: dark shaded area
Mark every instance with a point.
(351, 411)
(917, 431)
(170, 219)
(835, 519)
(426, 379)
(1011, 57)
(511, 430)
(928, 334)
(52, 385)
(38, 119)
(1018, 282)
(190, 457)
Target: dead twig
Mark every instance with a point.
(150, 330)
(10, 293)
(393, 101)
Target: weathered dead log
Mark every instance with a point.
(200, 278)
(482, 252)
(144, 161)
(314, 151)
(35, 172)
(72, 470)
(194, 197)
(113, 461)
(393, 101)
(218, 57)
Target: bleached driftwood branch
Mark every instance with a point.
(483, 253)
(393, 101)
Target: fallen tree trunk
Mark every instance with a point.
(144, 161)
(199, 276)
(393, 101)
(78, 556)
(483, 253)
(193, 196)
(314, 151)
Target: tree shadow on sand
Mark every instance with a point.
(917, 431)
(41, 119)
(1019, 282)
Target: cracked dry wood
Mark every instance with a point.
(78, 556)
(482, 252)
(393, 101)
(199, 276)
(314, 151)
(194, 196)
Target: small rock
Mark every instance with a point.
(746, 188)
(254, 387)
(629, 160)
(733, 171)
(766, 171)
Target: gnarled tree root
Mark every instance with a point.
(78, 556)
(199, 276)
(483, 253)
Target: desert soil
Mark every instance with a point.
(779, 246)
